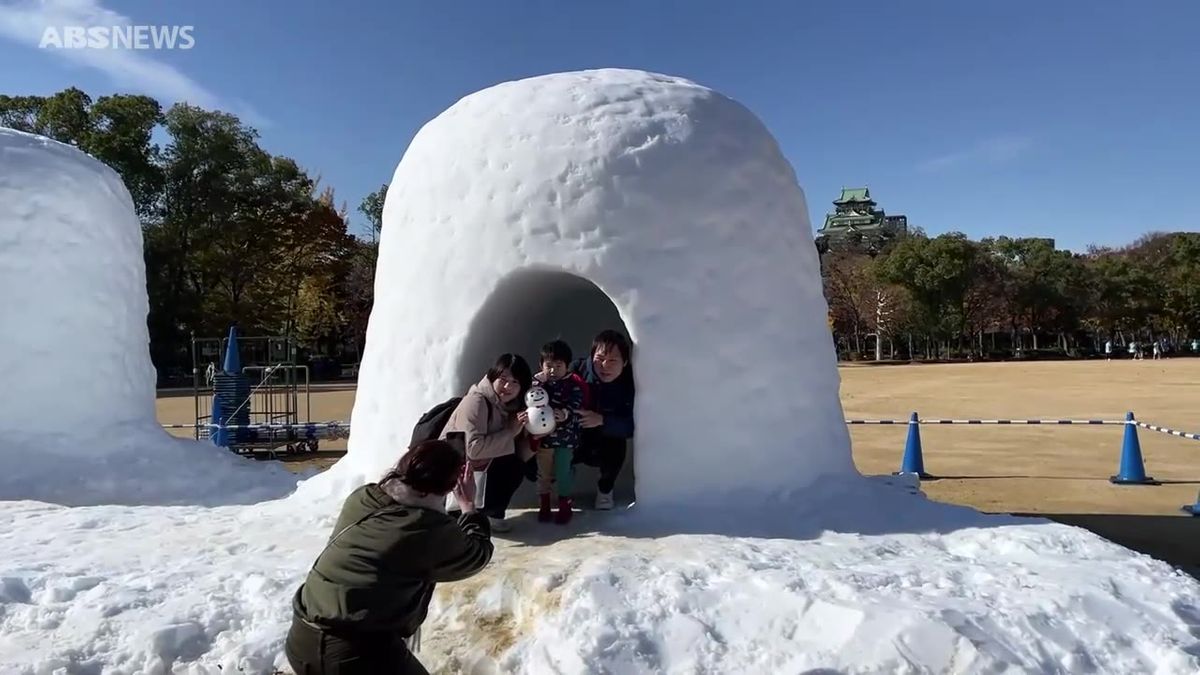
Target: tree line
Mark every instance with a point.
(950, 297)
(232, 233)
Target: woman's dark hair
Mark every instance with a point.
(611, 339)
(556, 350)
(432, 467)
(516, 365)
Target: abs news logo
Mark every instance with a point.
(117, 37)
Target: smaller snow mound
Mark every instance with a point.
(136, 466)
(74, 346)
(77, 422)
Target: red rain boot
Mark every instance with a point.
(544, 514)
(564, 511)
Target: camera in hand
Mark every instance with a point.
(458, 441)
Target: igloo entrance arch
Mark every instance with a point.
(530, 307)
(674, 200)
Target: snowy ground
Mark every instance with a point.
(862, 578)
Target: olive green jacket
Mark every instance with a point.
(380, 573)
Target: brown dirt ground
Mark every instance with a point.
(1056, 471)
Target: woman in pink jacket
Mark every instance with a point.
(491, 417)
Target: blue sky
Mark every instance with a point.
(1077, 120)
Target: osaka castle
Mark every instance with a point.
(857, 224)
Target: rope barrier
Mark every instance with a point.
(982, 421)
(935, 421)
(1171, 432)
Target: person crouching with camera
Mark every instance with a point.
(368, 591)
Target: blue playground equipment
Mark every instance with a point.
(252, 405)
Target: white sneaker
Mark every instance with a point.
(500, 524)
(604, 501)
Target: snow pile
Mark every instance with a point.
(74, 283)
(77, 421)
(141, 589)
(672, 199)
(918, 587)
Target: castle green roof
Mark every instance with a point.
(853, 195)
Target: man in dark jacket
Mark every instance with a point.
(370, 589)
(607, 420)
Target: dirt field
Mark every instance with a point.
(1042, 469)
(1058, 471)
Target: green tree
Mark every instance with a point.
(1127, 293)
(1181, 300)
(231, 232)
(1165, 274)
(20, 112)
(850, 290)
(1044, 289)
(66, 116)
(372, 208)
(116, 130)
(938, 275)
(356, 290)
(122, 128)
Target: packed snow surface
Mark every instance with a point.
(672, 199)
(862, 578)
(77, 418)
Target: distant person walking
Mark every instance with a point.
(369, 590)
(1108, 350)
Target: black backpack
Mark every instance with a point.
(429, 426)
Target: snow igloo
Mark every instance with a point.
(73, 293)
(77, 418)
(562, 204)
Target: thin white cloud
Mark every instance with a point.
(26, 21)
(991, 151)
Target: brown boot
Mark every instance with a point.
(564, 511)
(544, 514)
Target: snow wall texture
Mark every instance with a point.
(74, 292)
(673, 200)
(77, 413)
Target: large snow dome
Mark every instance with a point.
(559, 204)
(74, 292)
(77, 418)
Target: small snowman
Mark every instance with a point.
(541, 416)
